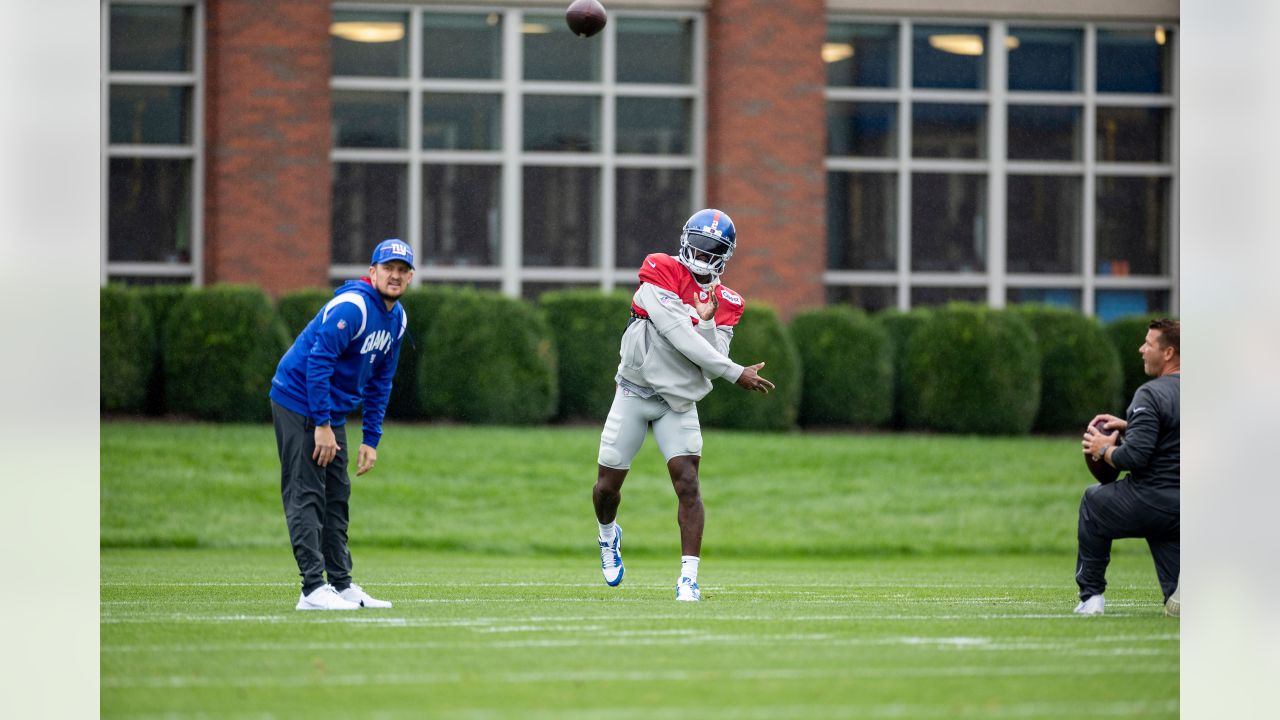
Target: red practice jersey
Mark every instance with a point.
(666, 272)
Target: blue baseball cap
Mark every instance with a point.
(393, 249)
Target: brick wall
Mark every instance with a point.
(267, 143)
(766, 143)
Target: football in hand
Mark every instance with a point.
(1101, 471)
(585, 17)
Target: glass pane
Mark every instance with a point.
(870, 299)
(654, 126)
(861, 55)
(1133, 226)
(462, 45)
(461, 207)
(146, 114)
(1044, 59)
(1128, 134)
(150, 38)
(562, 216)
(948, 131)
(1133, 61)
(149, 210)
(562, 123)
(948, 222)
(862, 227)
(457, 121)
(370, 44)
(1114, 304)
(949, 56)
(552, 52)
(862, 129)
(1043, 223)
(368, 207)
(370, 119)
(652, 205)
(1062, 297)
(655, 50)
(1049, 132)
(149, 280)
(923, 296)
(531, 291)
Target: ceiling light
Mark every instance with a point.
(1160, 37)
(957, 44)
(1012, 42)
(534, 29)
(368, 32)
(835, 52)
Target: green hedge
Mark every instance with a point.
(1126, 335)
(977, 371)
(221, 346)
(127, 350)
(160, 301)
(1079, 369)
(759, 337)
(587, 326)
(900, 326)
(298, 307)
(848, 367)
(423, 305)
(488, 359)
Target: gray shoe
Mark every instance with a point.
(1092, 606)
(1173, 606)
(324, 598)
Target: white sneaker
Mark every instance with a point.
(356, 594)
(611, 559)
(1092, 606)
(687, 590)
(1173, 606)
(324, 598)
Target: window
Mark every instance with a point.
(152, 162)
(507, 150)
(1001, 162)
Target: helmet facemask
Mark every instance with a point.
(705, 254)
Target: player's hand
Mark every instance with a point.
(1113, 422)
(751, 380)
(1095, 440)
(326, 446)
(366, 459)
(707, 310)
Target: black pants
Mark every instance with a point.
(1112, 511)
(315, 501)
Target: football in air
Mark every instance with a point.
(1101, 471)
(586, 17)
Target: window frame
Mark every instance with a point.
(511, 157)
(997, 167)
(194, 151)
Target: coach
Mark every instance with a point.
(345, 357)
(1146, 503)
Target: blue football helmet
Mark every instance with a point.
(707, 243)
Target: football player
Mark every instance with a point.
(682, 321)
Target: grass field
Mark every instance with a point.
(844, 576)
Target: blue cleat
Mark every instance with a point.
(611, 559)
(687, 590)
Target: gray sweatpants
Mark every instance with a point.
(1112, 511)
(315, 501)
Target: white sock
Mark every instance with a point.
(608, 531)
(689, 567)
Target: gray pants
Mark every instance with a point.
(315, 501)
(1112, 511)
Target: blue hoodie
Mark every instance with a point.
(346, 355)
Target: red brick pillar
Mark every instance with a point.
(267, 120)
(766, 142)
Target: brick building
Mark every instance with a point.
(882, 153)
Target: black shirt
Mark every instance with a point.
(1150, 451)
